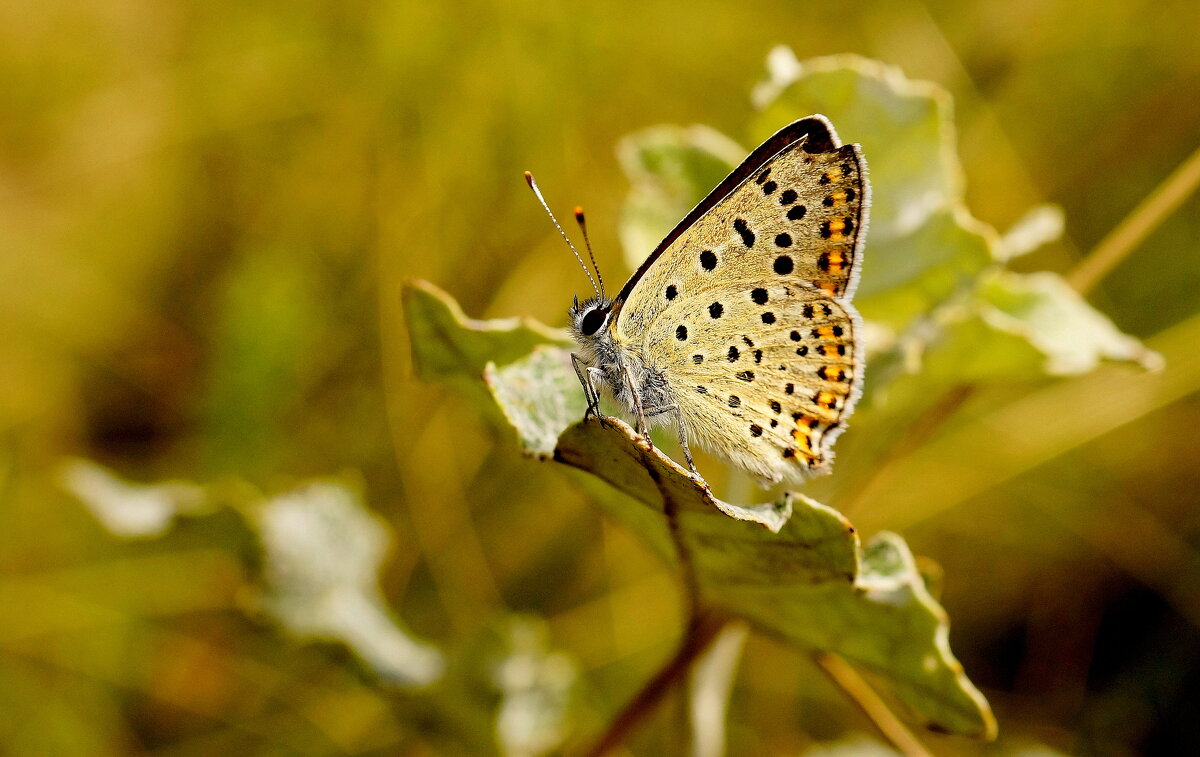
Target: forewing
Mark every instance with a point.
(747, 310)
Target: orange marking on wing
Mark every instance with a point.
(806, 420)
(803, 440)
(838, 373)
(826, 400)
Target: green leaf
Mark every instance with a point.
(885, 622)
(1011, 327)
(991, 449)
(129, 510)
(1019, 327)
(793, 568)
(1073, 336)
(964, 345)
(1041, 224)
(670, 170)
(447, 343)
(322, 552)
(904, 126)
(802, 582)
(909, 276)
(535, 682)
(540, 395)
(321, 555)
(926, 256)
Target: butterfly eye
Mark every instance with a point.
(592, 321)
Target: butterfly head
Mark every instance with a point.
(589, 318)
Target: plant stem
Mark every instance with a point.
(848, 679)
(1137, 225)
(701, 631)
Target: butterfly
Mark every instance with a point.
(738, 327)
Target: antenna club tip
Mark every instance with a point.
(579, 211)
(529, 178)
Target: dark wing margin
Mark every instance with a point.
(818, 136)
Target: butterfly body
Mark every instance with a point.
(738, 328)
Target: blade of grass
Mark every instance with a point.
(1134, 229)
(708, 696)
(849, 681)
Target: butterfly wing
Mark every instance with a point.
(745, 310)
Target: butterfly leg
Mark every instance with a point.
(596, 378)
(687, 452)
(642, 428)
(590, 390)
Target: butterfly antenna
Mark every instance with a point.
(538, 193)
(579, 219)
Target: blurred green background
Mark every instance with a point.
(207, 212)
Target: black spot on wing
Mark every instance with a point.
(743, 230)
